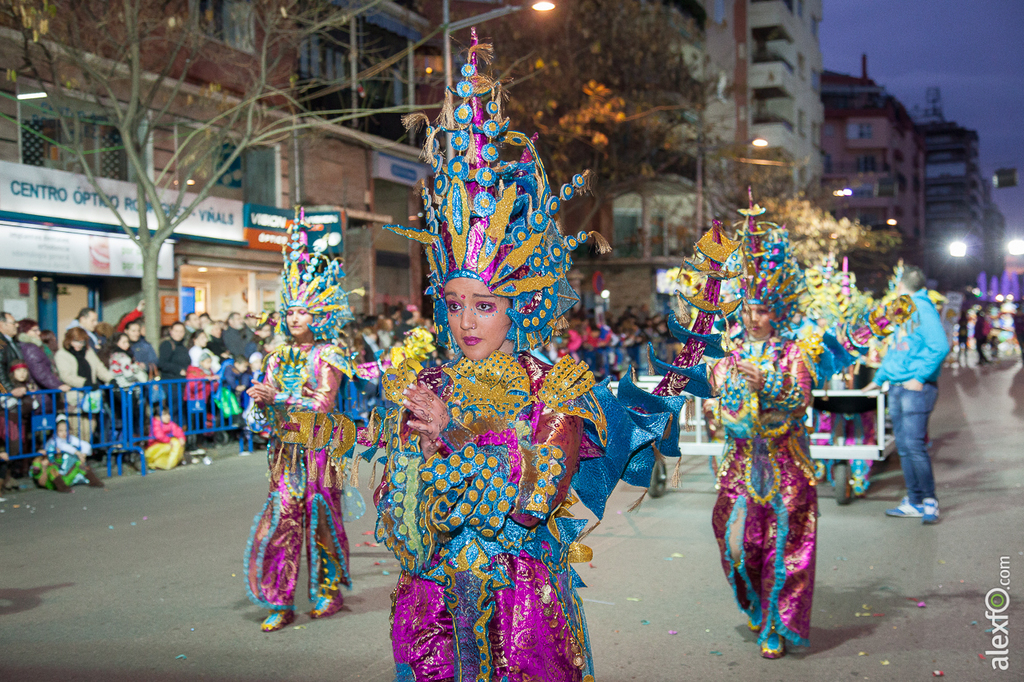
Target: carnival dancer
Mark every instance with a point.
(765, 517)
(306, 452)
(486, 454)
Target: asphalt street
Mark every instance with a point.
(143, 580)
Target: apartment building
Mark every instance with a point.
(873, 157)
(68, 251)
(958, 205)
(768, 55)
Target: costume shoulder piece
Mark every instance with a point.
(568, 388)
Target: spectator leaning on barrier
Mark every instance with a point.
(191, 323)
(141, 350)
(40, 365)
(912, 366)
(78, 365)
(10, 353)
(87, 320)
(174, 359)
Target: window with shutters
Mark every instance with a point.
(48, 142)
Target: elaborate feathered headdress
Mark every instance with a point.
(771, 275)
(495, 218)
(312, 280)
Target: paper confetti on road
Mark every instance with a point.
(385, 573)
(716, 653)
(677, 555)
(862, 653)
(367, 532)
(598, 601)
(110, 527)
(632, 599)
(672, 632)
(942, 561)
(181, 657)
(298, 627)
(938, 673)
(645, 622)
(885, 662)
(921, 605)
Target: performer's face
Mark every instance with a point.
(757, 320)
(478, 319)
(298, 320)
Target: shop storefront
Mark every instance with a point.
(63, 248)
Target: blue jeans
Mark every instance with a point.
(910, 411)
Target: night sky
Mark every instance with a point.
(972, 50)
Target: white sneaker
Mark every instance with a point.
(207, 461)
(931, 510)
(906, 510)
(198, 451)
(245, 453)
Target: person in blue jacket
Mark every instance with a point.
(912, 368)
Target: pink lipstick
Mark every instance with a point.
(471, 340)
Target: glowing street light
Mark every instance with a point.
(759, 142)
(845, 192)
(605, 294)
(891, 221)
(1016, 247)
(543, 6)
(958, 249)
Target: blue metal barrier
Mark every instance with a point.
(95, 416)
(116, 420)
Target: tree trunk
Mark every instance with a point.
(645, 227)
(151, 292)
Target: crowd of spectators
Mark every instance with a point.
(91, 354)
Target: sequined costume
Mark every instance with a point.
(307, 450)
(765, 517)
(483, 528)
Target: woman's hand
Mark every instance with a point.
(262, 393)
(429, 413)
(752, 373)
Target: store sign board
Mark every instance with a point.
(58, 194)
(265, 225)
(76, 252)
(394, 169)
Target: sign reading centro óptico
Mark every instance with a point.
(265, 225)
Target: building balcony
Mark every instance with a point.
(767, 55)
(770, 80)
(772, 20)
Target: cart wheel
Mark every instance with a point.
(222, 438)
(659, 478)
(841, 482)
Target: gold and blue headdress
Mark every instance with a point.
(494, 219)
(312, 280)
(771, 275)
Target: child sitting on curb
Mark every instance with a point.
(166, 445)
(64, 465)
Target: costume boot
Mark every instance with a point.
(59, 484)
(94, 480)
(277, 619)
(327, 600)
(774, 646)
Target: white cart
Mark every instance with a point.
(695, 443)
